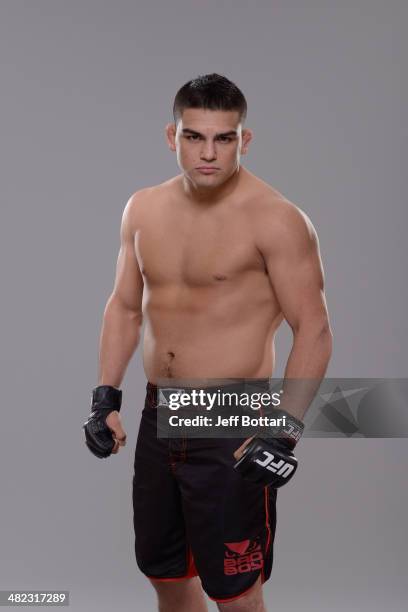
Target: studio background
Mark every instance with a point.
(86, 90)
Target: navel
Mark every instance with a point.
(168, 369)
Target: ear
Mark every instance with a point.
(247, 135)
(171, 136)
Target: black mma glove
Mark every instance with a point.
(98, 436)
(270, 460)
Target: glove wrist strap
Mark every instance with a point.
(292, 430)
(106, 397)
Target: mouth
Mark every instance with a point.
(207, 169)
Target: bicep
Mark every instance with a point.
(128, 287)
(296, 272)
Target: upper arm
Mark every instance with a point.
(128, 287)
(289, 245)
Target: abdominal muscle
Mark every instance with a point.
(199, 333)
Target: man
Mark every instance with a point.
(213, 260)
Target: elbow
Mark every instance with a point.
(136, 316)
(117, 307)
(318, 334)
(325, 339)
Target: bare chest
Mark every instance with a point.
(196, 251)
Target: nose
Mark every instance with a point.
(208, 152)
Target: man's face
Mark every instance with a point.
(208, 145)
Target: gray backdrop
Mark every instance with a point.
(86, 90)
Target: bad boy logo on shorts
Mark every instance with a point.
(241, 557)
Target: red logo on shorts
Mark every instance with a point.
(241, 557)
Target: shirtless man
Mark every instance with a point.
(212, 260)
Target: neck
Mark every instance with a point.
(198, 193)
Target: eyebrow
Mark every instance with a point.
(230, 133)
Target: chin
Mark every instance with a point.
(204, 179)
(210, 181)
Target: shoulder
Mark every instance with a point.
(142, 199)
(140, 205)
(134, 210)
(279, 223)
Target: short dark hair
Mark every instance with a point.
(210, 91)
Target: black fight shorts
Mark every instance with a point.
(194, 514)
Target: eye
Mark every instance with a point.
(193, 137)
(225, 139)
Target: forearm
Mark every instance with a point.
(120, 335)
(305, 368)
(310, 352)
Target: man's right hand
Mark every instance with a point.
(103, 429)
